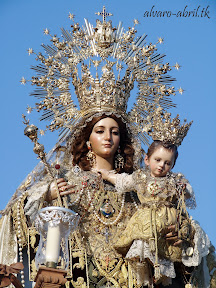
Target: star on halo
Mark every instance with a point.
(71, 16)
(42, 132)
(119, 66)
(30, 51)
(29, 109)
(177, 66)
(46, 31)
(160, 40)
(136, 22)
(23, 81)
(180, 90)
(96, 63)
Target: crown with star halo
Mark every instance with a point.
(102, 63)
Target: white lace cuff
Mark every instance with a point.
(124, 183)
(191, 201)
(201, 247)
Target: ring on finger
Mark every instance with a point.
(62, 189)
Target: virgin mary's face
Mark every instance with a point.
(105, 138)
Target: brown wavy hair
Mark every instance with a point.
(79, 147)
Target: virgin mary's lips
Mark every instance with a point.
(107, 145)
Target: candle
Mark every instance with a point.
(53, 244)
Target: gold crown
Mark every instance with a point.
(102, 63)
(161, 127)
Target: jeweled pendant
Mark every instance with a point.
(107, 209)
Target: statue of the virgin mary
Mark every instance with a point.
(103, 63)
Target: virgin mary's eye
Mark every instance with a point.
(99, 130)
(115, 132)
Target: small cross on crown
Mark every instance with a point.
(104, 14)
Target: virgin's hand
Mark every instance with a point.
(173, 236)
(64, 189)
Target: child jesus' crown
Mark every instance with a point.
(161, 127)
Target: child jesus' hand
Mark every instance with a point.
(107, 175)
(173, 236)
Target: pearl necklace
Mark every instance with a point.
(80, 192)
(19, 238)
(134, 201)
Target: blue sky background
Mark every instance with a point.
(190, 41)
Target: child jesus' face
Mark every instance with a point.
(160, 162)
